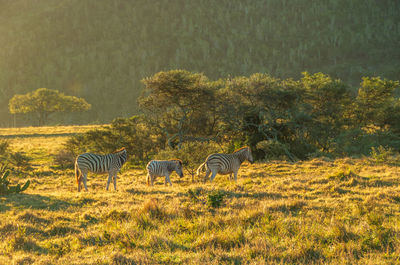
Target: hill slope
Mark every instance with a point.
(101, 50)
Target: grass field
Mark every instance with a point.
(322, 211)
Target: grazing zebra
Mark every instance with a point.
(225, 163)
(159, 168)
(110, 163)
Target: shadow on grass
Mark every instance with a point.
(144, 192)
(36, 201)
(259, 195)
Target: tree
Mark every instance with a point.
(181, 104)
(376, 103)
(328, 103)
(45, 102)
(261, 107)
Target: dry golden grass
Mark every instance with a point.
(344, 211)
(41, 142)
(48, 130)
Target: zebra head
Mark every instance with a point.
(244, 153)
(178, 168)
(249, 155)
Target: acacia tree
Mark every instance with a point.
(45, 102)
(181, 104)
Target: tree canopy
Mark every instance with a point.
(279, 118)
(45, 102)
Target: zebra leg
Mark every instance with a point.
(115, 181)
(79, 180)
(109, 180)
(167, 179)
(213, 176)
(84, 181)
(148, 179)
(235, 174)
(208, 172)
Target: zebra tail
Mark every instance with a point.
(200, 168)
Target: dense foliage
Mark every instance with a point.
(279, 118)
(101, 50)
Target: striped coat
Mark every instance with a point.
(110, 163)
(225, 163)
(160, 168)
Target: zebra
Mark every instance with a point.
(225, 163)
(159, 168)
(110, 163)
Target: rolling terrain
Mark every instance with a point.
(322, 211)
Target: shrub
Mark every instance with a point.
(382, 154)
(153, 210)
(64, 159)
(19, 160)
(359, 142)
(5, 187)
(21, 242)
(4, 147)
(215, 198)
(59, 248)
(133, 133)
(192, 154)
(274, 150)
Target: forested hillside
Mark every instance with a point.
(100, 50)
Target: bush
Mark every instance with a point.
(382, 154)
(4, 147)
(359, 142)
(273, 150)
(19, 160)
(192, 154)
(64, 159)
(133, 133)
(5, 187)
(215, 198)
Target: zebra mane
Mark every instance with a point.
(244, 147)
(119, 150)
(180, 161)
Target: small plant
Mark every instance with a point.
(19, 240)
(382, 154)
(4, 146)
(5, 187)
(215, 198)
(64, 159)
(59, 248)
(153, 210)
(19, 160)
(343, 175)
(193, 194)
